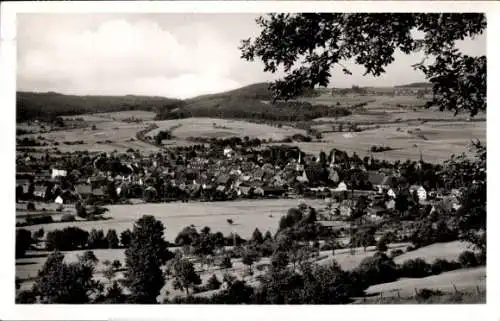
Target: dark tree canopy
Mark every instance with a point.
(309, 45)
(144, 257)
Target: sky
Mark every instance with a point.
(171, 55)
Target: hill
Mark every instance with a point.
(48, 105)
(249, 102)
(415, 85)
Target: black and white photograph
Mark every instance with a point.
(256, 158)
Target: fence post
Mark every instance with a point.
(399, 295)
(381, 296)
(416, 292)
(455, 287)
(478, 290)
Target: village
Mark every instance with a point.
(229, 169)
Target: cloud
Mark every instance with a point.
(122, 57)
(173, 55)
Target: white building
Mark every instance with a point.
(59, 173)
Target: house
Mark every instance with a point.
(259, 191)
(390, 204)
(391, 193)
(346, 207)
(228, 152)
(58, 173)
(303, 178)
(84, 190)
(341, 187)
(420, 190)
(59, 200)
(39, 191)
(376, 179)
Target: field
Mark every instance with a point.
(119, 134)
(441, 139)
(464, 280)
(246, 214)
(222, 128)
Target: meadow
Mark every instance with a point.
(463, 279)
(246, 214)
(222, 128)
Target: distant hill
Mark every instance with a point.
(31, 105)
(415, 85)
(249, 102)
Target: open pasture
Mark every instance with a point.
(222, 128)
(436, 140)
(449, 251)
(118, 134)
(246, 214)
(463, 279)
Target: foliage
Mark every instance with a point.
(371, 40)
(59, 282)
(440, 265)
(112, 239)
(144, 257)
(185, 277)
(415, 268)
(213, 283)
(257, 237)
(50, 105)
(125, 238)
(376, 269)
(67, 239)
(97, 240)
(23, 242)
(467, 259)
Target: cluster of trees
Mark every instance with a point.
(72, 238)
(250, 108)
(29, 141)
(378, 149)
(291, 278)
(162, 134)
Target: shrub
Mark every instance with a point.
(481, 258)
(395, 253)
(440, 265)
(68, 218)
(376, 269)
(416, 268)
(23, 242)
(31, 207)
(213, 283)
(382, 245)
(468, 259)
(425, 294)
(226, 263)
(326, 247)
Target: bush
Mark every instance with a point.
(416, 268)
(410, 248)
(30, 207)
(226, 263)
(326, 247)
(377, 269)
(382, 245)
(440, 265)
(395, 253)
(425, 294)
(481, 258)
(213, 283)
(467, 259)
(68, 218)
